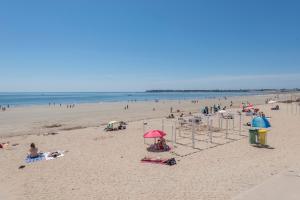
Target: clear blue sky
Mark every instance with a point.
(72, 45)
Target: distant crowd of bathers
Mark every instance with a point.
(4, 108)
(60, 105)
(213, 109)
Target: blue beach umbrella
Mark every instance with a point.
(260, 122)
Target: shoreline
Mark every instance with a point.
(242, 94)
(35, 119)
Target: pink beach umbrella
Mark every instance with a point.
(154, 134)
(250, 105)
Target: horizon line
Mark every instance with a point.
(160, 90)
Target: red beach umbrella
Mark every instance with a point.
(154, 134)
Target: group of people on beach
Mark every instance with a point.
(132, 100)
(212, 109)
(60, 105)
(4, 108)
(160, 145)
(71, 106)
(126, 107)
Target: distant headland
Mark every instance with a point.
(240, 90)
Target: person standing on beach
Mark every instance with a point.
(171, 109)
(127, 106)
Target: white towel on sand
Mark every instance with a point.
(48, 157)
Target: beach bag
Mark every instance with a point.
(171, 162)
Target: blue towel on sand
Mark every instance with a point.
(39, 158)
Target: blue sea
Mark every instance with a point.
(43, 98)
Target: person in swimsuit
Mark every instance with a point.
(33, 151)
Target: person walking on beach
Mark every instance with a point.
(127, 106)
(171, 109)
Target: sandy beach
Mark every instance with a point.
(43, 119)
(150, 100)
(106, 165)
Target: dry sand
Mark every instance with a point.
(106, 165)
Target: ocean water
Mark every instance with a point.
(43, 98)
